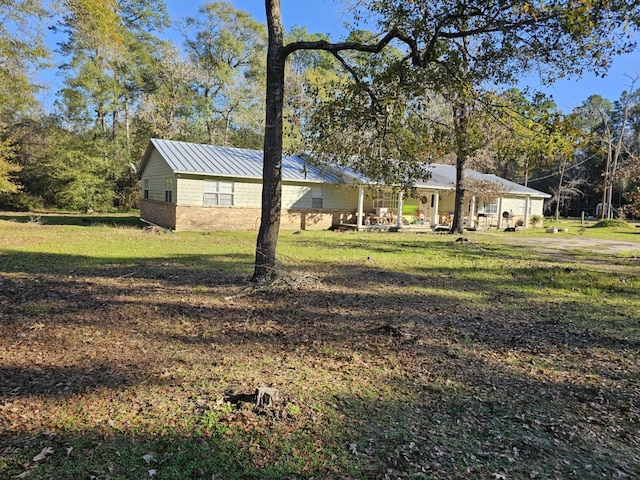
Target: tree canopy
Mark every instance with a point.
(411, 82)
(462, 50)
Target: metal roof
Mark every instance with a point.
(443, 177)
(184, 157)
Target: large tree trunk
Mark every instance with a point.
(461, 121)
(458, 213)
(272, 171)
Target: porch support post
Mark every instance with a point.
(500, 213)
(527, 202)
(472, 213)
(360, 207)
(436, 207)
(400, 205)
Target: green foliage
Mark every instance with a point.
(367, 121)
(507, 38)
(460, 51)
(80, 176)
(123, 85)
(69, 171)
(7, 167)
(227, 50)
(22, 50)
(167, 110)
(536, 220)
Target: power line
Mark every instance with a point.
(568, 168)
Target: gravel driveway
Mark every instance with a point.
(555, 242)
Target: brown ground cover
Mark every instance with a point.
(139, 370)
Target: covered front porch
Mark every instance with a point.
(433, 209)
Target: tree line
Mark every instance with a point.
(383, 110)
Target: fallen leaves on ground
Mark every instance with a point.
(380, 373)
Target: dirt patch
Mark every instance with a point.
(554, 243)
(608, 254)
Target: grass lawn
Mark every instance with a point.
(131, 354)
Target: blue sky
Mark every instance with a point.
(328, 16)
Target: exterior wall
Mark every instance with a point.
(198, 219)
(339, 203)
(246, 193)
(158, 213)
(157, 167)
(155, 175)
(202, 219)
(515, 207)
(190, 191)
(334, 197)
(189, 214)
(537, 207)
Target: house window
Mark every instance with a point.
(521, 207)
(491, 208)
(146, 189)
(168, 190)
(385, 199)
(316, 197)
(218, 193)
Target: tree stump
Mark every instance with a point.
(266, 396)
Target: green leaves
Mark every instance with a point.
(22, 50)
(227, 50)
(7, 167)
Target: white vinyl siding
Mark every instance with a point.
(537, 206)
(334, 197)
(248, 194)
(157, 166)
(154, 178)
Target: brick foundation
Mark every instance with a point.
(158, 213)
(199, 219)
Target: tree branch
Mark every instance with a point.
(338, 47)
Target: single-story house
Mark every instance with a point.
(193, 187)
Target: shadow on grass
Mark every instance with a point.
(428, 296)
(177, 270)
(78, 220)
(436, 372)
(168, 455)
(492, 423)
(16, 381)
